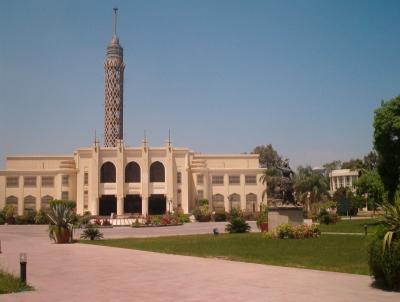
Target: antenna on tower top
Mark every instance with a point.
(115, 21)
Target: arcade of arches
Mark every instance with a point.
(157, 203)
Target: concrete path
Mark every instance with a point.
(78, 272)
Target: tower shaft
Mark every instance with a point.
(113, 92)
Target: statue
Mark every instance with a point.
(287, 183)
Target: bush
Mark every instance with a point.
(9, 214)
(202, 213)
(155, 220)
(385, 264)
(165, 219)
(237, 225)
(29, 217)
(2, 219)
(20, 219)
(288, 231)
(83, 220)
(220, 216)
(41, 218)
(285, 231)
(97, 221)
(91, 233)
(136, 223)
(262, 216)
(106, 222)
(327, 218)
(203, 202)
(235, 213)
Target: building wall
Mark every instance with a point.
(84, 186)
(343, 178)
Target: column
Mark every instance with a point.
(21, 196)
(145, 205)
(95, 206)
(120, 205)
(226, 193)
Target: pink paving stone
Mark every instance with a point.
(78, 272)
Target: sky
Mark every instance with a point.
(224, 76)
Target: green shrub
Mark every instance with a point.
(9, 214)
(235, 213)
(91, 233)
(327, 218)
(237, 225)
(2, 219)
(41, 218)
(20, 219)
(202, 213)
(285, 231)
(155, 220)
(29, 216)
(203, 202)
(220, 216)
(136, 223)
(385, 264)
(288, 231)
(83, 220)
(262, 216)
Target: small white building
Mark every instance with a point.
(343, 178)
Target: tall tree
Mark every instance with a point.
(370, 161)
(269, 157)
(311, 187)
(387, 144)
(353, 164)
(334, 165)
(370, 184)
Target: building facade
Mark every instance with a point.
(118, 179)
(342, 178)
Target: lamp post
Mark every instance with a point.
(22, 263)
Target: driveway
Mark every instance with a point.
(79, 272)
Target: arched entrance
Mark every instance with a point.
(133, 204)
(157, 204)
(107, 205)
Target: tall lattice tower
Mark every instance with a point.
(114, 90)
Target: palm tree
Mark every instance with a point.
(271, 178)
(311, 187)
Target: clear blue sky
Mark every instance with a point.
(225, 76)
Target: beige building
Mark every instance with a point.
(118, 179)
(105, 180)
(343, 178)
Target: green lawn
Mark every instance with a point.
(339, 253)
(11, 284)
(351, 226)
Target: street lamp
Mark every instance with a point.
(22, 262)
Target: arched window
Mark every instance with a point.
(251, 202)
(157, 172)
(45, 201)
(234, 200)
(132, 172)
(108, 172)
(29, 203)
(12, 200)
(218, 202)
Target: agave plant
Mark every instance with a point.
(391, 222)
(91, 233)
(61, 221)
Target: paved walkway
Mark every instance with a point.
(78, 272)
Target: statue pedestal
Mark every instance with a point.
(284, 214)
